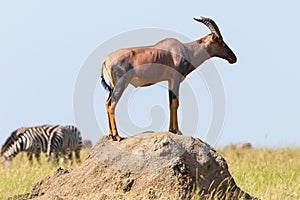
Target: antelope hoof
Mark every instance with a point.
(115, 138)
(178, 132)
(118, 138)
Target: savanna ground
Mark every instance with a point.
(264, 173)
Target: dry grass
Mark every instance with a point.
(264, 173)
(18, 177)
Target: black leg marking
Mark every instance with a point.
(171, 96)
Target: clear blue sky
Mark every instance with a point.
(43, 45)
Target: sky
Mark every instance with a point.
(44, 46)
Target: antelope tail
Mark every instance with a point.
(104, 84)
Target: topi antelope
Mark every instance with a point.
(168, 60)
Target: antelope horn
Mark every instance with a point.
(211, 25)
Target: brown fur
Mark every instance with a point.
(168, 60)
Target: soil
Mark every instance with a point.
(145, 166)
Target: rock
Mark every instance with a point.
(145, 166)
(88, 144)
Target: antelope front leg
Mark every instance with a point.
(174, 104)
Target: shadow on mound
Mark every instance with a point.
(145, 166)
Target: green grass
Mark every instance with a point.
(18, 177)
(264, 173)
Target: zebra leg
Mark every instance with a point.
(29, 155)
(77, 155)
(70, 158)
(53, 146)
(48, 155)
(38, 157)
(65, 155)
(56, 158)
(47, 158)
(53, 157)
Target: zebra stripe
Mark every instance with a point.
(32, 140)
(66, 141)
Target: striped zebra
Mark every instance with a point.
(32, 140)
(65, 142)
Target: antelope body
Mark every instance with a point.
(168, 60)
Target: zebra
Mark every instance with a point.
(48, 139)
(67, 140)
(32, 140)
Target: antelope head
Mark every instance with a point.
(214, 42)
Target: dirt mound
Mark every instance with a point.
(145, 166)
